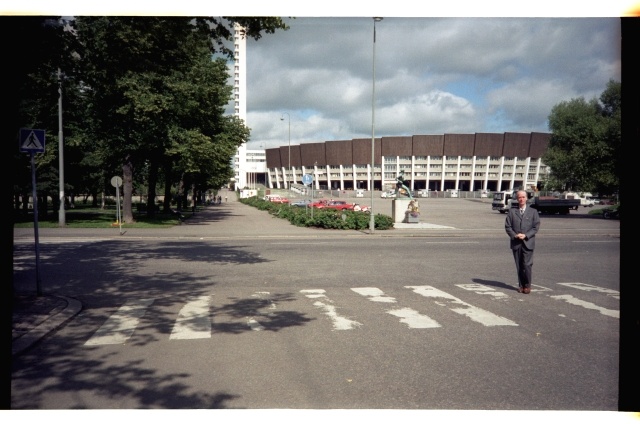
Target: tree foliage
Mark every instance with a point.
(584, 153)
(144, 98)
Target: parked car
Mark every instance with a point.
(301, 203)
(361, 208)
(612, 212)
(319, 203)
(276, 198)
(388, 194)
(337, 204)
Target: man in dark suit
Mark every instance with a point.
(522, 224)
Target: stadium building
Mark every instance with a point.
(464, 162)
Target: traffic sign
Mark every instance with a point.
(307, 179)
(31, 141)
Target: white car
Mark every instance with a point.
(388, 194)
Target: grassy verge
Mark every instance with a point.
(87, 217)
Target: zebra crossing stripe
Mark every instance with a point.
(414, 319)
(588, 287)
(193, 320)
(588, 305)
(374, 294)
(408, 316)
(481, 316)
(121, 325)
(339, 322)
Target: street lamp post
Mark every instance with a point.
(372, 221)
(282, 119)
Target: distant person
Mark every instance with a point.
(522, 224)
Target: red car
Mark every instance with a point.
(274, 198)
(319, 203)
(337, 204)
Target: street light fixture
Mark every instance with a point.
(282, 119)
(372, 221)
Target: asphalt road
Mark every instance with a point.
(240, 310)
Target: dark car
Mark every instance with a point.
(612, 212)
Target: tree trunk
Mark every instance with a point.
(194, 198)
(167, 189)
(181, 194)
(127, 189)
(153, 181)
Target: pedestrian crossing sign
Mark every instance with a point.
(31, 141)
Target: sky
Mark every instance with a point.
(432, 75)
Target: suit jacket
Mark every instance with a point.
(529, 223)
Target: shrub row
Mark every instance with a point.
(322, 218)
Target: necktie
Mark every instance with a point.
(521, 211)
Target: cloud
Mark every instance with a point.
(432, 75)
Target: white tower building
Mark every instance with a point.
(247, 164)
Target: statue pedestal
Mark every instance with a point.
(398, 209)
(412, 219)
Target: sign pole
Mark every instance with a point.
(35, 224)
(32, 141)
(117, 182)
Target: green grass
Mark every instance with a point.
(87, 217)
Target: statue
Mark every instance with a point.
(401, 188)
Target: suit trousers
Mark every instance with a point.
(524, 264)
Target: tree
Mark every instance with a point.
(137, 71)
(584, 152)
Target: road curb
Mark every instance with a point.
(50, 324)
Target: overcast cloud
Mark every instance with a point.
(433, 75)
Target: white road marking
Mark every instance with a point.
(481, 316)
(407, 315)
(254, 325)
(266, 295)
(482, 289)
(374, 294)
(252, 322)
(121, 325)
(313, 294)
(588, 287)
(414, 319)
(193, 320)
(588, 305)
(339, 323)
